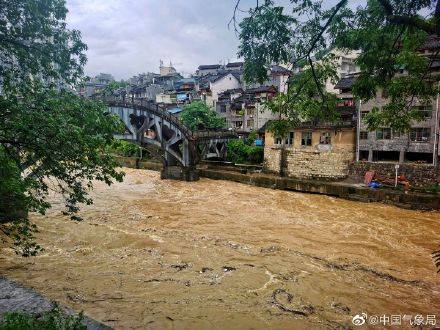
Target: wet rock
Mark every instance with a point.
(228, 269)
(180, 267)
(290, 277)
(340, 307)
(270, 249)
(206, 269)
(283, 300)
(75, 298)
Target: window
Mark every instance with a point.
(223, 108)
(364, 113)
(420, 134)
(306, 138)
(383, 134)
(250, 123)
(363, 135)
(325, 138)
(289, 139)
(397, 134)
(425, 111)
(250, 112)
(238, 124)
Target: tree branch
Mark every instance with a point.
(318, 85)
(413, 21)
(322, 30)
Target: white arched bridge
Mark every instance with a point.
(166, 138)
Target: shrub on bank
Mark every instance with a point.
(51, 320)
(126, 149)
(241, 152)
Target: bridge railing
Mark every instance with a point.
(214, 134)
(147, 106)
(150, 106)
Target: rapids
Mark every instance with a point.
(217, 254)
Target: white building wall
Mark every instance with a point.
(221, 85)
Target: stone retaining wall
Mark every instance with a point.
(409, 200)
(419, 175)
(310, 163)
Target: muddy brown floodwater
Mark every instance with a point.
(217, 254)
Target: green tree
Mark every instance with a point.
(50, 139)
(389, 35)
(114, 85)
(241, 151)
(198, 116)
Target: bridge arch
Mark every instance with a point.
(167, 138)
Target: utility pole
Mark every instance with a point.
(436, 134)
(358, 131)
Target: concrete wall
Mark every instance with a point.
(326, 161)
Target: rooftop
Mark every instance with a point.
(261, 89)
(235, 65)
(279, 69)
(210, 67)
(346, 82)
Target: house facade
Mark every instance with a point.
(419, 145)
(244, 110)
(314, 150)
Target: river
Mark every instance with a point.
(217, 254)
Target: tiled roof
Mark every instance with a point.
(346, 82)
(209, 67)
(261, 89)
(234, 65)
(279, 69)
(432, 43)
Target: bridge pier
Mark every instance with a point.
(180, 173)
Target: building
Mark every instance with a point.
(211, 69)
(384, 144)
(244, 110)
(234, 66)
(148, 92)
(166, 98)
(313, 150)
(143, 79)
(279, 77)
(210, 86)
(166, 70)
(345, 65)
(95, 85)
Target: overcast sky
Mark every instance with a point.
(126, 37)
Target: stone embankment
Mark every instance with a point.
(253, 175)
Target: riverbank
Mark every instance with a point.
(17, 298)
(351, 191)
